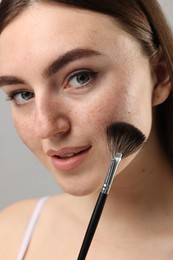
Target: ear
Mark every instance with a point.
(162, 87)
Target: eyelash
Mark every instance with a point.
(13, 94)
(91, 74)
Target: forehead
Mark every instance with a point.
(55, 19)
(56, 28)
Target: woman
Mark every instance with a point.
(70, 68)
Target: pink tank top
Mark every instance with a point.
(30, 229)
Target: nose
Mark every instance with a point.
(50, 118)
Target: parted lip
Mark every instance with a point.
(67, 150)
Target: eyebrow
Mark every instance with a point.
(10, 80)
(59, 63)
(66, 58)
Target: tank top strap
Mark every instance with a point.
(30, 229)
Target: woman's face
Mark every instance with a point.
(70, 73)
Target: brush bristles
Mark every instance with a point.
(124, 138)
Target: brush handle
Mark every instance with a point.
(92, 225)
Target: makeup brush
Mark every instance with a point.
(123, 140)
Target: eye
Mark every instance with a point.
(20, 97)
(81, 79)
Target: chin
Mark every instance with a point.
(80, 187)
(80, 192)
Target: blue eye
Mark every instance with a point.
(21, 97)
(81, 79)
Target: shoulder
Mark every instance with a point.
(13, 224)
(17, 213)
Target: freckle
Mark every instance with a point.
(143, 170)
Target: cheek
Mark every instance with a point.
(128, 104)
(102, 110)
(25, 131)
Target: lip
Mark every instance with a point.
(68, 163)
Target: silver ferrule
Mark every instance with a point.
(111, 173)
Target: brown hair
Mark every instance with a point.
(144, 20)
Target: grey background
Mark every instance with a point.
(21, 175)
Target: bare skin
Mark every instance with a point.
(137, 220)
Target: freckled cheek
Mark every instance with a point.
(102, 111)
(110, 103)
(113, 106)
(24, 129)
